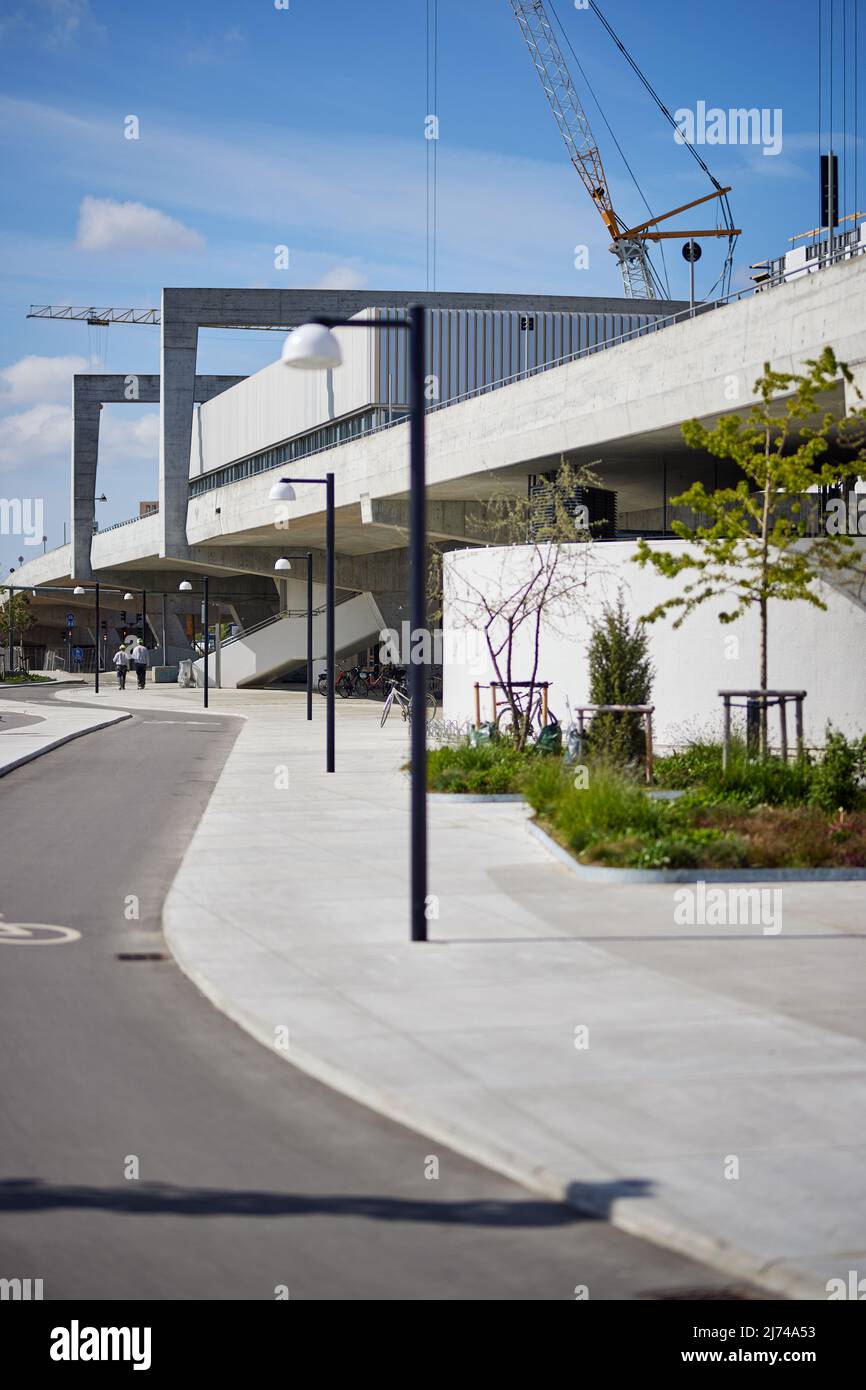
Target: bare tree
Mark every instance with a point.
(552, 528)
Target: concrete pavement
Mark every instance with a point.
(702, 1086)
(250, 1176)
(32, 726)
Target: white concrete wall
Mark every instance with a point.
(279, 402)
(809, 649)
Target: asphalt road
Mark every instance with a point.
(251, 1176)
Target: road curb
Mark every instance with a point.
(518, 1167)
(59, 742)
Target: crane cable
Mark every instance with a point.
(666, 287)
(432, 138)
(726, 208)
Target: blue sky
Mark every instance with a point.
(304, 127)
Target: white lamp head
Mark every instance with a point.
(312, 347)
(282, 491)
(283, 565)
(127, 596)
(78, 590)
(184, 587)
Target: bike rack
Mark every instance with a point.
(646, 710)
(493, 686)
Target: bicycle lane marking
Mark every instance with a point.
(36, 934)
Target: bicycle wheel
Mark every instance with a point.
(362, 690)
(431, 706)
(322, 683)
(506, 725)
(344, 687)
(386, 709)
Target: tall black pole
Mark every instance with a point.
(11, 631)
(330, 622)
(205, 615)
(96, 682)
(418, 616)
(144, 617)
(309, 635)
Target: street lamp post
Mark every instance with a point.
(314, 347)
(185, 587)
(284, 491)
(96, 643)
(283, 564)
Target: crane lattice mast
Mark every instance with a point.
(574, 127)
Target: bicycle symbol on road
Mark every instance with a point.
(35, 934)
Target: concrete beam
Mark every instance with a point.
(90, 391)
(446, 521)
(385, 570)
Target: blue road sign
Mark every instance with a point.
(77, 654)
(70, 620)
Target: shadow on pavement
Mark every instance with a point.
(27, 1194)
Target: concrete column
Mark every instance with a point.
(177, 374)
(85, 453)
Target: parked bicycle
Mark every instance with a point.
(348, 682)
(399, 695)
(377, 683)
(523, 712)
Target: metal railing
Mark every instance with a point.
(266, 622)
(101, 530)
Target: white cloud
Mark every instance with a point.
(34, 436)
(342, 277)
(39, 380)
(52, 23)
(66, 19)
(42, 435)
(106, 225)
(122, 440)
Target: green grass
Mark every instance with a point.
(493, 769)
(24, 680)
(758, 814)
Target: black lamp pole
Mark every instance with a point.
(205, 614)
(330, 626)
(330, 623)
(418, 617)
(308, 560)
(11, 631)
(309, 634)
(415, 325)
(96, 681)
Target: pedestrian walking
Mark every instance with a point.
(138, 656)
(121, 665)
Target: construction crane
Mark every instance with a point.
(103, 317)
(92, 316)
(628, 244)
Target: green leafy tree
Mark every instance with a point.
(755, 545)
(620, 673)
(19, 610)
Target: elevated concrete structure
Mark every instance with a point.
(185, 311)
(620, 409)
(90, 391)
